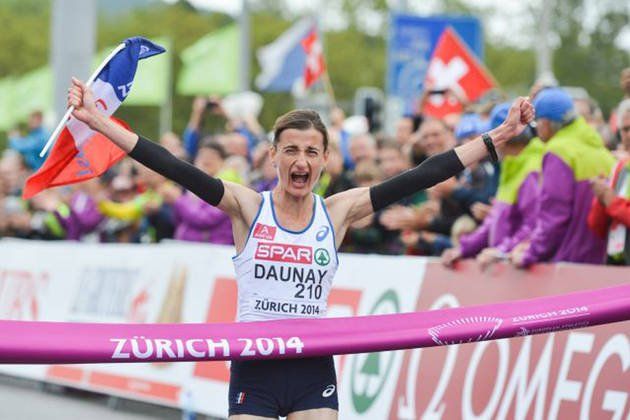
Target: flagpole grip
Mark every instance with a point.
(88, 83)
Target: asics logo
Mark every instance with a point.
(330, 389)
(322, 233)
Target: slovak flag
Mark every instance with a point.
(81, 153)
(454, 66)
(315, 64)
(283, 62)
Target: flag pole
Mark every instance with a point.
(55, 134)
(329, 88)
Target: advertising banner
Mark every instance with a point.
(575, 373)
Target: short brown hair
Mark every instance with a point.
(299, 119)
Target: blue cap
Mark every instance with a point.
(469, 125)
(554, 104)
(498, 114)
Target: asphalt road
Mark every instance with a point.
(28, 400)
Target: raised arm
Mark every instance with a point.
(234, 199)
(349, 206)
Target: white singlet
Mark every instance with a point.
(283, 273)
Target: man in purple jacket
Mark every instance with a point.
(196, 220)
(513, 213)
(575, 154)
(81, 216)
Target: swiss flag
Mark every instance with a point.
(454, 66)
(70, 161)
(315, 64)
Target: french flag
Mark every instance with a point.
(81, 153)
(283, 62)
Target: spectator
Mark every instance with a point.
(513, 213)
(81, 217)
(363, 148)
(434, 218)
(173, 144)
(392, 162)
(368, 235)
(265, 176)
(340, 135)
(13, 172)
(624, 84)
(610, 212)
(32, 144)
(405, 127)
(477, 183)
(196, 220)
(141, 217)
(192, 133)
(574, 154)
(334, 179)
(234, 144)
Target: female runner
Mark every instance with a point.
(286, 239)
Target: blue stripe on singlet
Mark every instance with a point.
(273, 212)
(251, 227)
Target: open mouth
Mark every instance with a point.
(299, 179)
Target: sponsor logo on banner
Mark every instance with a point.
(570, 313)
(371, 371)
(322, 233)
(265, 232)
(21, 292)
(484, 326)
(284, 253)
(322, 257)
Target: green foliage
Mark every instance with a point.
(514, 69)
(23, 39)
(590, 60)
(354, 59)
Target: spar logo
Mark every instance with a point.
(265, 232)
(284, 253)
(322, 257)
(370, 371)
(465, 330)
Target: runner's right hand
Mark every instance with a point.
(82, 99)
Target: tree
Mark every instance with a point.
(589, 57)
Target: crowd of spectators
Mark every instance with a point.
(560, 192)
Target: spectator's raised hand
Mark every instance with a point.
(517, 256)
(400, 217)
(410, 238)
(480, 210)
(445, 188)
(489, 256)
(450, 256)
(199, 104)
(169, 192)
(602, 191)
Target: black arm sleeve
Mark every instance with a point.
(432, 171)
(157, 158)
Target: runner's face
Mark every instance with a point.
(299, 157)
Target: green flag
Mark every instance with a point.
(151, 86)
(6, 110)
(211, 65)
(31, 92)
